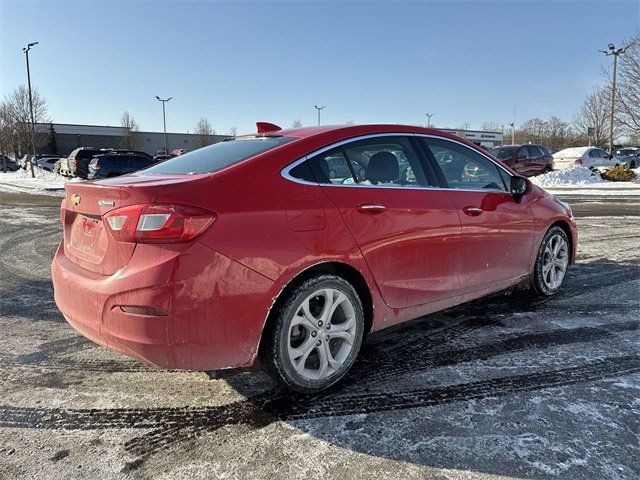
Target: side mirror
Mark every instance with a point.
(519, 187)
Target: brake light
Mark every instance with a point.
(157, 223)
(75, 163)
(579, 161)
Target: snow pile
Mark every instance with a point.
(574, 175)
(44, 182)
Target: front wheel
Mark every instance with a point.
(552, 262)
(315, 336)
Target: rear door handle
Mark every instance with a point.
(472, 211)
(371, 208)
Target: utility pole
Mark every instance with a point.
(33, 122)
(615, 53)
(513, 127)
(319, 109)
(164, 121)
(429, 115)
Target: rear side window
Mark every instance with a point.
(218, 156)
(534, 151)
(464, 168)
(545, 150)
(385, 161)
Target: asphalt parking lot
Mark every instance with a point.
(502, 387)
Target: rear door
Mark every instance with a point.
(408, 231)
(497, 232)
(536, 160)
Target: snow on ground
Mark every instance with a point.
(575, 175)
(47, 183)
(579, 180)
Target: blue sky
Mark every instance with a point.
(380, 62)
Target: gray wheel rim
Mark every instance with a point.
(321, 334)
(555, 261)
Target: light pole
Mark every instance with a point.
(615, 53)
(164, 121)
(33, 123)
(319, 109)
(429, 115)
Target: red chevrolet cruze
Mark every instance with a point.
(287, 247)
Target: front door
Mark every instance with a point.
(497, 232)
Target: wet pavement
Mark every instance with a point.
(507, 386)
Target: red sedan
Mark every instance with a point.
(287, 247)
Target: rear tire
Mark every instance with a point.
(552, 262)
(315, 335)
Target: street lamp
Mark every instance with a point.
(33, 123)
(319, 109)
(429, 115)
(615, 52)
(164, 121)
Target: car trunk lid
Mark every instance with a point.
(87, 241)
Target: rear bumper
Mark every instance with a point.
(215, 308)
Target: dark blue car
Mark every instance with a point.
(115, 164)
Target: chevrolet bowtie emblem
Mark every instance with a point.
(75, 199)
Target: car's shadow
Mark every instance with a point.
(383, 380)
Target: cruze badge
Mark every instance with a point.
(106, 203)
(75, 199)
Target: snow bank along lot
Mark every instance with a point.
(579, 180)
(499, 388)
(44, 183)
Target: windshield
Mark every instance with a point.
(503, 152)
(218, 156)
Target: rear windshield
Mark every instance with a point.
(503, 152)
(218, 156)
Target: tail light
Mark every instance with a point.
(579, 161)
(63, 206)
(157, 223)
(75, 163)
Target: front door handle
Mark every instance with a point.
(472, 211)
(371, 208)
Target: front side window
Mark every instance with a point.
(219, 155)
(462, 167)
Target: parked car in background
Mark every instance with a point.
(178, 152)
(47, 163)
(629, 156)
(8, 164)
(527, 160)
(78, 160)
(162, 157)
(589, 157)
(116, 164)
(24, 161)
(249, 252)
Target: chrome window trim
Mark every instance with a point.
(285, 172)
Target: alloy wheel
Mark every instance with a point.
(322, 334)
(555, 262)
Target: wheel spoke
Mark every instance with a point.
(324, 361)
(348, 324)
(343, 335)
(303, 321)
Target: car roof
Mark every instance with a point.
(574, 150)
(350, 131)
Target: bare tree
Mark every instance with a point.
(297, 123)
(17, 118)
(594, 114)
(491, 126)
(130, 127)
(535, 130)
(234, 131)
(628, 84)
(204, 131)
